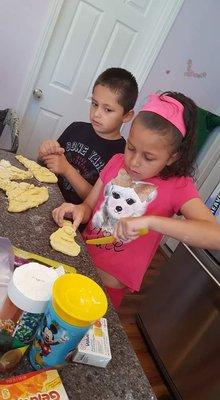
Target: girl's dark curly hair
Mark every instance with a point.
(184, 146)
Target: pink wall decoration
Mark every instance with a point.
(192, 74)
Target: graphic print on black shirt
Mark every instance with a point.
(88, 153)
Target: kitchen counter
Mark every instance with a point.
(123, 378)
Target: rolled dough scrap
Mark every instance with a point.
(4, 173)
(42, 174)
(63, 240)
(8, 171)
(22, 196)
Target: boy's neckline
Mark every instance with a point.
(106, 137)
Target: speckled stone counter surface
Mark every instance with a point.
(123, 378)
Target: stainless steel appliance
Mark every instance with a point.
(180, 319)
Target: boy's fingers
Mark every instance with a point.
(60, 150)
(56, 149)
(43, 157)
(50, 160)
(50, 147)
(42, 152)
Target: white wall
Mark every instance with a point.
(21, 23)
(194, 35)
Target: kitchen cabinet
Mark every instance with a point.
(180, 319)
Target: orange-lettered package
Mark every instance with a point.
(41, 385)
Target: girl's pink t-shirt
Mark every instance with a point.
(121, 197)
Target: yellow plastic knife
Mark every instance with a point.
(46, 261)
(111, 239)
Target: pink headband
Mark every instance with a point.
(169, 108)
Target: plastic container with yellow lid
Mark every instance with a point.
(77, 302)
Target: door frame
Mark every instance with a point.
(170, 11)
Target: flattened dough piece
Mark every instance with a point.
(22, 196)
(42, 174)
(63, 240)
(8, 171)
(4, 173)
(4, 183)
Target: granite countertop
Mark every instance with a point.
(123, 378)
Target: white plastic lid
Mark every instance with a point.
(30, 287)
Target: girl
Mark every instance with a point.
(144, 188)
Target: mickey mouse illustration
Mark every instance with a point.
(47, 338)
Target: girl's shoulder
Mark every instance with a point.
(181, 182)
(175, 182)
(175, 191)
(182, 190)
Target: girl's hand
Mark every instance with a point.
(127, 229)
(76, 212)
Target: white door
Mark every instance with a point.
(89, 37)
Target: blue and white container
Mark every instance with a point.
(77, 302)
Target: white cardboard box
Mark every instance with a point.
(94, 348)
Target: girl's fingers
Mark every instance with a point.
(61, 216)
(125, 231)
(78, 215)
(119, 232)
(58, 215)
(76, 222)
(54, 215)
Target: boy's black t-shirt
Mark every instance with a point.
(88, 153)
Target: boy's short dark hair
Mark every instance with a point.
(122, 81)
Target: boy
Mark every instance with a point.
(83, 149)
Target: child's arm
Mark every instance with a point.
(79, 213)
(58, 164)
(199, 229)
(49, 147)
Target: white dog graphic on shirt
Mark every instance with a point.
(123, 198)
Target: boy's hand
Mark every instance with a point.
(69, 210)
(50, 147)
(128, 229)
(58, 164)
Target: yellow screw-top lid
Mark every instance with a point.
(78, 300)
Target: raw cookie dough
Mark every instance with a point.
(8, 171)
(63, 240)
(42, 174)
(22, 196)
